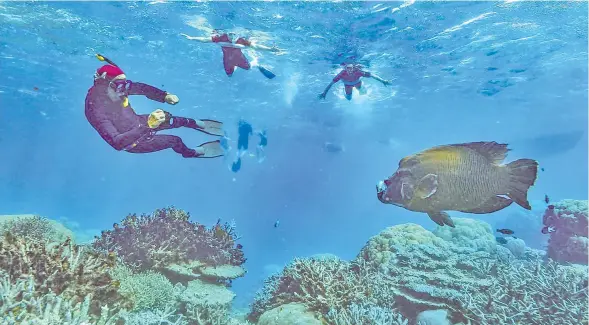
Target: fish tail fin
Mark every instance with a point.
(522, 175)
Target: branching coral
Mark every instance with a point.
(64, 269)
(20, 304)
(34, 228)
(147, 290)
(321, 284)
(167, 237)
(365, 314)
(530, 293)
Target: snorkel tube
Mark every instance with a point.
(102, 58)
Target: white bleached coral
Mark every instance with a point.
(470, 233)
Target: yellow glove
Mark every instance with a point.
(171, 99)
(156, 118)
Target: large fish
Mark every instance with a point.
(467, 177)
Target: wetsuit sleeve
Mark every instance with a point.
(109, 133)
(138, 88)
(338, 77)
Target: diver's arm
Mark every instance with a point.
(375, 77)
(264, 47)
(151, 92)
(200, 39)
(324, 93)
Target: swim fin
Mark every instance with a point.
(267, 73)
(236, 166)
(213, 149)
(212, 127)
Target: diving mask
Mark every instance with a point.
(121, 86)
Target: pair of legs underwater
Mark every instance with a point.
(350, 87)
(156, 142)
(230, 62)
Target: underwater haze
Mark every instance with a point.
(513, 72)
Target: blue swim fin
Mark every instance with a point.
(236, 166)
(267, 73)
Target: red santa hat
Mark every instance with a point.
(108, 72)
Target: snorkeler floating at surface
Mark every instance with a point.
(350, 76)
(232, 55)
(108, 110)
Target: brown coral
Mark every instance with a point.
(64, 269)
(166, 238)
(321, 284)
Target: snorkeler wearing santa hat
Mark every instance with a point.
(108, 110)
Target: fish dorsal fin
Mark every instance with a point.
(437, 154)
(427, 186)
(407, 161)
(493, 151)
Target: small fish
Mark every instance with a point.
(546, 198)
(501, 240)
(465, 177)
(551, 207)
(542, 169)
(276, 224)
(548, 230)
(239, 246)
(35, 88)
(505, 231)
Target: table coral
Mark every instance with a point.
(168, 237)
(568, 242)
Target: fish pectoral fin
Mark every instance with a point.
(441, 218)
(427, 186)
(493, 204)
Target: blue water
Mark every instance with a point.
(513, 72)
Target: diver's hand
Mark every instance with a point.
(171, 99)
(156, 118)
(188, 37)
(275, 49)
(322, 95)
(387, 82)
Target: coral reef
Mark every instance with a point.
(64, 269)
(147, 290)
(568, 242)
(532, 293)
(408, 275)
(35, 228)
(425, 271)
(289, 314)
(167, 241)
(325, 286)
(20, 304)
